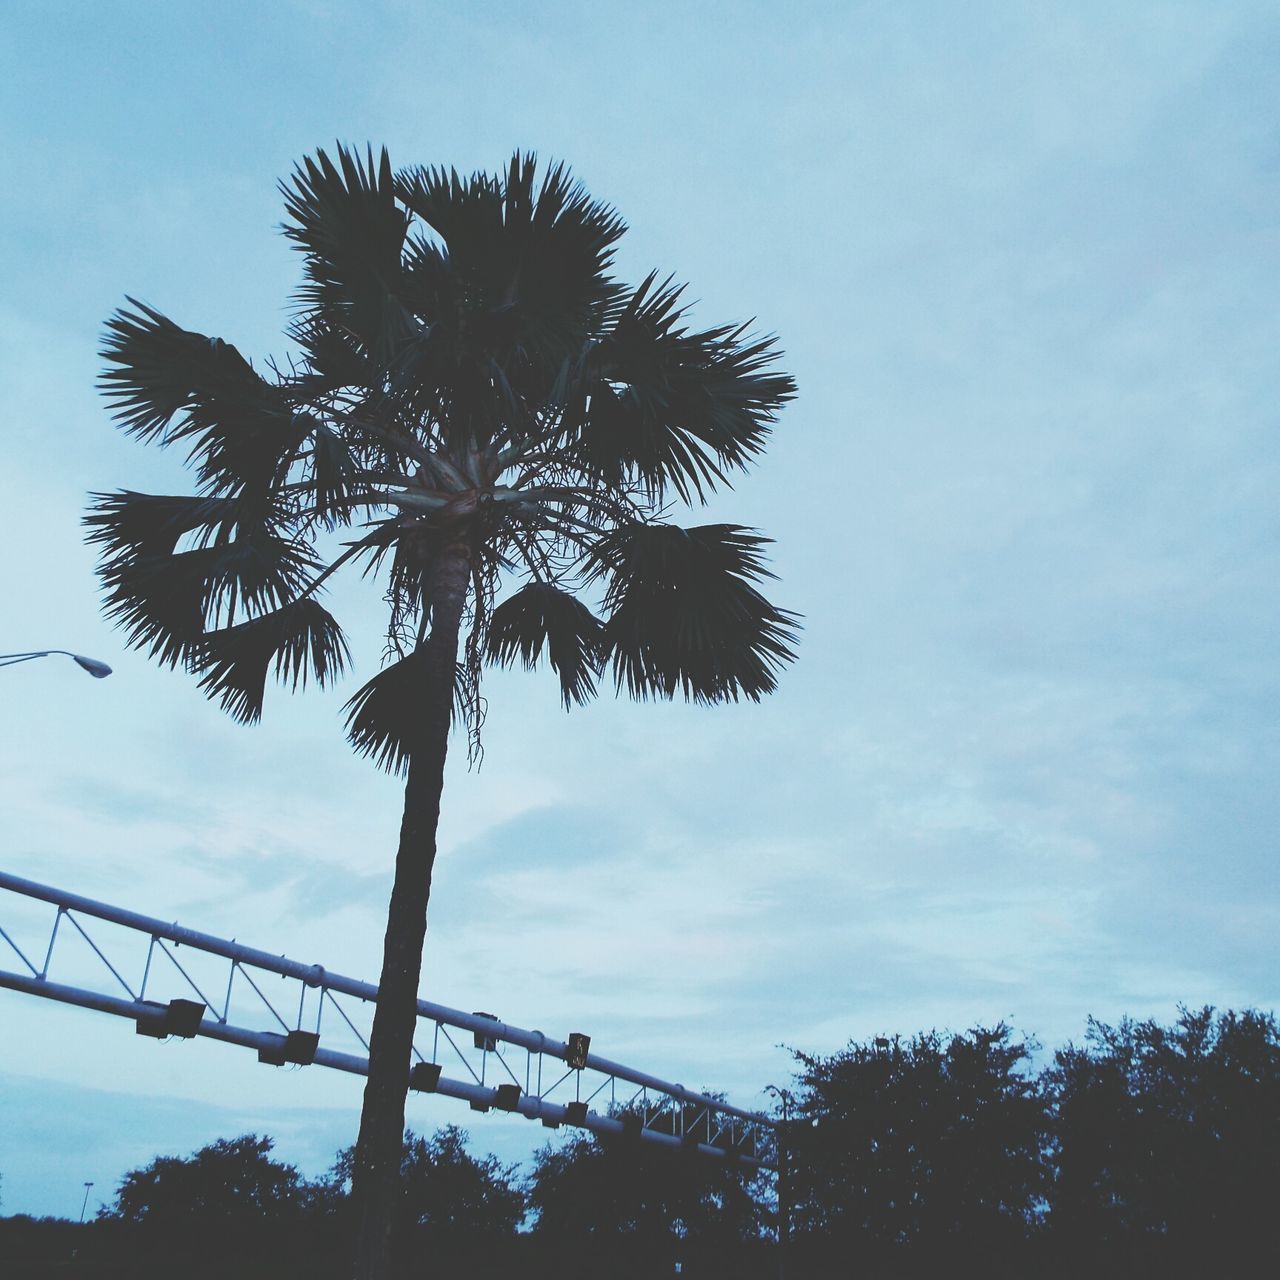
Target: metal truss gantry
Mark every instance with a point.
(504, 1067)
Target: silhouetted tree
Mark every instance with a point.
(909, 1154)
(1148, 1151)
(449, 1194)
(229, 1206)
(453, 1205)
(474, 398)
(1168, 1145)
(622, 1206)
(232, 1184)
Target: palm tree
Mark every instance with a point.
(477, 411)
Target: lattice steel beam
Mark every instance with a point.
(678, 1117)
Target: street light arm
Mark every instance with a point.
(99, 670)
(8, 659)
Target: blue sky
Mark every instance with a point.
(1023, 261)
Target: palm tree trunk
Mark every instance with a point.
(376, 1171)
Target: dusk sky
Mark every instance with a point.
(1023, 261)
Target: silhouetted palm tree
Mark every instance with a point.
(473, 400)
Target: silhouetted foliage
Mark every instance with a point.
(635, 1208)
(229, 1205)
(453, 1204)
(36, 1247)
(1147, 1151)
(926, 1149)
(1168, 1144)
(231, 1209)
(455, 1196)
(228, 1185)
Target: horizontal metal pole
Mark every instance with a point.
(317, 975)
(142, 1011)
(533, 1108)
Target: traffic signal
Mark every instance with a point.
(425, 1077)
(575, 1050)
(479, 1039)
(181, 1018)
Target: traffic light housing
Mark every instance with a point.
(575, 1050)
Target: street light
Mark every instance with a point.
(85, 1203)
(99, 670)
(784, 1189)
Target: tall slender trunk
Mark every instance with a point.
(376, 1173)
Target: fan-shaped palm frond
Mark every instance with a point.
(684, 616)
(171, 384)
(165, 599)
(345, 218)
(670, 406)
(385, 715)
(543, 615)
(335, 358)
(509, 288)
(336, 475)
(302, 639)
(133, 524)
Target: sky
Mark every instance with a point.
(1023, 262)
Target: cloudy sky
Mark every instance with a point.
(1023, 261)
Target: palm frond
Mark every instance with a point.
(132, 524)
(516, 237)
(334, 356)
(166, 599)
(344, 218)
(509, 287)
(670, 406)
(539, 615)
(561, 287)
(169, 384)
(302, 639)
(336, 475)
(161, 368)
(385, 715)
(160, 601)
(466, 213)
(684, 616)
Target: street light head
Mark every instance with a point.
(97, 669)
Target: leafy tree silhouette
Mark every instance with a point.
(227, 1206)
(1148, 1151)
(1168, 1145)
(453, 1205)
(231, 1184)
(627, 1207)
(909, 1155)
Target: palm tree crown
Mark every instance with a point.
(469, 383)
